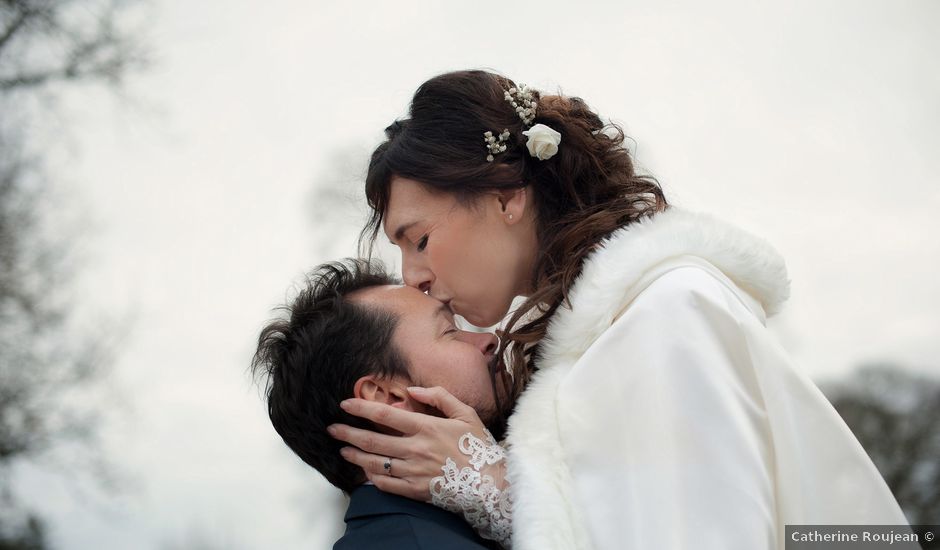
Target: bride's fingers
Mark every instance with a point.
(374, 465)
(444, 401)
(406, 422)
(369, 441)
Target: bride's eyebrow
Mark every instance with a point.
(400, 232)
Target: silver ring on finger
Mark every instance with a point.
(388, 466)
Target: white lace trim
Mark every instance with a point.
(481, 452)
(475, 494)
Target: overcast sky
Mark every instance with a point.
(235, 164)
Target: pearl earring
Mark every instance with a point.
(510, 216)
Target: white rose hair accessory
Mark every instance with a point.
(541, 140)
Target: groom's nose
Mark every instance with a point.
(486, 342)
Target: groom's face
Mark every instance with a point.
(436, 351)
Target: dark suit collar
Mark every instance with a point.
(367, 500)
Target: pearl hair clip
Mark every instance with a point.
(542, 141)
(523, 102)
(495, 145)
(526, 110)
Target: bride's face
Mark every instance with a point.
(476, 258)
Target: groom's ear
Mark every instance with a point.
(391, 391)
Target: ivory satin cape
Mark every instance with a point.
(664, 414)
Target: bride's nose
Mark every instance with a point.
(416, 275)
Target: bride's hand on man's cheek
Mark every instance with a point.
(405, 464)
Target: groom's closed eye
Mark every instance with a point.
(447, 320)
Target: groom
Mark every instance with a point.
(354, 331)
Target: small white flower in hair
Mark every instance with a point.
(542, 141)
(494, 145)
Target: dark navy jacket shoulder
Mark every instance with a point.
(377, 520)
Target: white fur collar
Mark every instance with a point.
(541, 481)
(628, 253)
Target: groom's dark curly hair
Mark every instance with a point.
(311, 358)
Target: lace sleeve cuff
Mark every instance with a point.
(480, 491)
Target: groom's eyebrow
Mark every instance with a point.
(444, 311)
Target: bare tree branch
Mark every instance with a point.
(103, 53)
(10, 29)
(46, 361)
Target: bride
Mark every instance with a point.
(653, 407)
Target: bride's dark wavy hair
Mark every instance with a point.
(586, 191)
